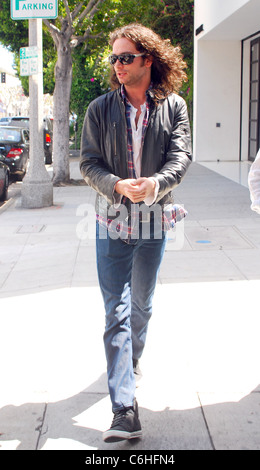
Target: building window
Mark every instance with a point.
(254, 112)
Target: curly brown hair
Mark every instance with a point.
(168, 65)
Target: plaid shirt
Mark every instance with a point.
(128, 228)
(130, 153)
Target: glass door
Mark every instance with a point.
(254, 116)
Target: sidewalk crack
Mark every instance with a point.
(40, 427)
(206, 424)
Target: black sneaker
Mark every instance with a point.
(125, 425)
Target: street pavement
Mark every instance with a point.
(200, 388)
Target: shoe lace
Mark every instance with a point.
(119, 415)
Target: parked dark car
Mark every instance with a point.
(4, 181)
(48, 132)
(14, 149)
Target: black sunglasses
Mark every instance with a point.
(124, 59)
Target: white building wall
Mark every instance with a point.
(222, 78)
(217, 100)
(211, 13)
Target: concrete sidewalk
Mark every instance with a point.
(200, 388)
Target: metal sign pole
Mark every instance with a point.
(37, 188)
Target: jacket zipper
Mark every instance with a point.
(114, 136)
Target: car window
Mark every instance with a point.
(20, 119)
(10, 135)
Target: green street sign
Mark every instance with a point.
(28, 60)
(28, 52)
(30, 9)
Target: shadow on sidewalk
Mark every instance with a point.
(77, 423)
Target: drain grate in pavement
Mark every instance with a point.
(30, 228)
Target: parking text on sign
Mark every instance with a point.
(33, 6)
(29, 9)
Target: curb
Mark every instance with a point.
(6, 204)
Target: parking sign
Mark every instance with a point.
(30, 9)
(28, 60)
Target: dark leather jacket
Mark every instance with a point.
(166, 151)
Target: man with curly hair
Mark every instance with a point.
(135, 150)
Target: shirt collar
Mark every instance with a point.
(126, 100)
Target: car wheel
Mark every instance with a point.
(21, 176)
(5, 191)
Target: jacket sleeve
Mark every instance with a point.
(254, 184)
(92, 164)
(179, 153)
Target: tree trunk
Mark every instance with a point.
(61, 101)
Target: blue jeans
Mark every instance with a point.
(127, 277)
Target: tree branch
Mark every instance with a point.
(95, 8)
(76, 11)
(92, 4)
(54, 31)
(68, 14)
(76, 40)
